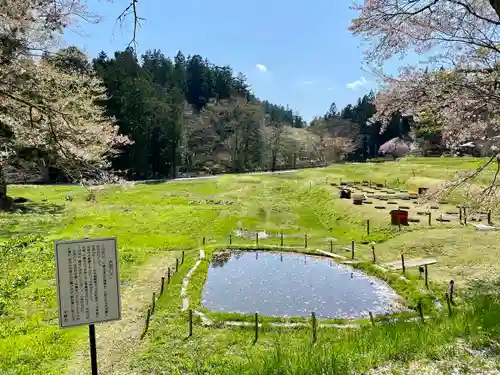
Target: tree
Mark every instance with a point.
(396, 147)
(272, 135)
(55, 114)
(462, 39)
(237, 122)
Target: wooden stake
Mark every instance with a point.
(153, 303)
(452, 290)
(190, 322)
(257, 238)
(371, 318)
(182, 258)
(448, 302)
(256, 327)
(426, 277)
(168, 275)
(489, 217)
(353, 245)
(204, 241)
(148, 316)
(176, 264)
(465, 216)
(420, 311)
(162, 285)
(313, 321)
(331, 246)
(368, 227)
(430, 218)
(305, 241)
(230, 239)
(373, 253)
(281, 235)
(403, 262)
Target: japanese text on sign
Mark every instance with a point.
(88, 283)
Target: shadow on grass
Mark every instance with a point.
(36, 208)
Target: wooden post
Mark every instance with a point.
(403, 262)
(182, 258)
(465, 216)
(430, 218)
(204, 241)
(257, 238)
(371, 318)
(305, 241)
(460, 215)
(373, 253)
(230, 239)
(190, 322)
(168, 275)
(426, 277)
(331, 246)
(452, 290)
(420, 310)
(153, 303)
(448, 302)
(353, 245)
(368, 227)
(313, 320)
(176, 264)
(93, 349)
(281, 237)
(148, 316)
(162, 285)
(489, 217)
(256, 327)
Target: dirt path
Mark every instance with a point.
(118, 341)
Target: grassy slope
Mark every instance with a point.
(151, 219)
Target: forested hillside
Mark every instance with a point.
(354, 123)
(188, 114)
(176, 116)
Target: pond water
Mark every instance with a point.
(287, 285)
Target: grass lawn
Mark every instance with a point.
(154, 222)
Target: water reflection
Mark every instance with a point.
(276, 284)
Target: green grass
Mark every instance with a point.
(151, 221)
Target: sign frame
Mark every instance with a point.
(58, 283)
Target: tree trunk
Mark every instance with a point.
(273, 160)
(496, 5)
(174, 160)
(44, 170)
(5, 201)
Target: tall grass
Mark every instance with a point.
(356, 351)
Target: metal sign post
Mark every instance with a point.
(88, 285)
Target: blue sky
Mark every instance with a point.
(298, 53)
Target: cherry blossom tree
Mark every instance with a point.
(43, 109)
(396, 147)
(461, 35)
(459, 88)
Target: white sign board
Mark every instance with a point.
(88, 282)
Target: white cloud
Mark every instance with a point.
(330, 88)
(261, 68)
(354, 85)
(307, 82)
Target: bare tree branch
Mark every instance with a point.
(131, 10)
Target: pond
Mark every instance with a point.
(293, 285)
